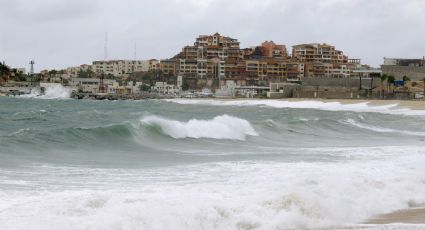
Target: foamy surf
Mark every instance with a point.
(308, 104)
(231, 195)
(51, 92)
(220, 127)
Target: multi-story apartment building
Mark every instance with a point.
(315, 52)
(322, 60)
(217, 59)
(272, 50)
(168, 67)
(153, 65)
(206, 59)
(120, 67)
(75, 71)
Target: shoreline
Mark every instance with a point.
(408, 104)
(411, 216)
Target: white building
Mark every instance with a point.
(164, 88)
(75, 71)
(91, 85)
(120, 67)
(341, 72)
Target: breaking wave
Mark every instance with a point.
(382, 129)
(220, 127)
(58, 91)
(319, 105)
(51, 92)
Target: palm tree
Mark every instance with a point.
(383, 78)
(390, 81)
(406, 78)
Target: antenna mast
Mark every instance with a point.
(135, 50)
(106, 46)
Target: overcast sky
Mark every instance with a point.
(61, 33)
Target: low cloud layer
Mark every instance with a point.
(61, 33)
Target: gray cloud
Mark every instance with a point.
(60, 33)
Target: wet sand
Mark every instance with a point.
(408, 216)
(411, 104)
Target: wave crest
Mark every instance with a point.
(362, 107)
(382, 129)
(220, 127)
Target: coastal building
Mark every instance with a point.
(399, 67)
(73, 72)
(91, 85)
(316, 52)
(272, 50)
(120, 67)
(204, 62)
(153, 65)
(214, 59)
(165, 88)
(168, 67)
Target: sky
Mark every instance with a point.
(62, 33)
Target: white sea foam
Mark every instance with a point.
(382, 129)
(51, 92)
(57, 91)
(220, 127)
(232, 195)
(319, 105)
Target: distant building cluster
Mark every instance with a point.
(216, 63)
(214, 60)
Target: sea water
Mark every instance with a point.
(206, 164)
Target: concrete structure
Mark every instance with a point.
(19, 88)
(282, 90)
(397, 67)
(91, 85)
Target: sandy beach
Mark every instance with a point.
(401, 103)
(408, 216)
(411, 104)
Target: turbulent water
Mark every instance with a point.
(206, 164)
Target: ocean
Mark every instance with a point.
(206, 164)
